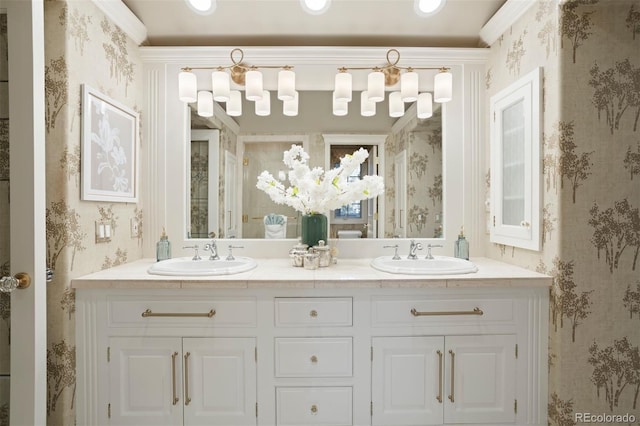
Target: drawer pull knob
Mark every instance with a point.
(475, 311)
(150, 313)
(314, 359)
(313, 313)
(314, 409)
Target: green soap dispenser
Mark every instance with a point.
(163, 247)
(461, 246)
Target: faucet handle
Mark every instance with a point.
(195, 247)
(231, 247)
(395, 254)
(429, 247)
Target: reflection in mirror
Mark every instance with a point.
(203, 181)
(413, 188)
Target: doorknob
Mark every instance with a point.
(20, 280)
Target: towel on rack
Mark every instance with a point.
(275, 226)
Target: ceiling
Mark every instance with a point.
(284, 23)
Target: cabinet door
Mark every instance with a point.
(220, 381)
(516, 163)
(483, 369)
(407, 375)
(145, 381)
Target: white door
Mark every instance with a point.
(145, 381)
(407, 374)
(220, 381)
(483, 369)
(27, 210)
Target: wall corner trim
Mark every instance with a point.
(506, 16)
(124, 18)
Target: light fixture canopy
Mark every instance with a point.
(241, 74)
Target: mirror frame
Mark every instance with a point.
(464, 135)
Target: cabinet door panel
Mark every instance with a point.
(221, 381)
(484, 370)
(142, 379)
(406, 382)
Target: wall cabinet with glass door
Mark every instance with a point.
(516, 117)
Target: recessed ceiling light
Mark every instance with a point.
(202, 7)
(315, 7)
(428, 7)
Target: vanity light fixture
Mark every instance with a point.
(389, 75)
(241, 74)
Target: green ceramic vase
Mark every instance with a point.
(314, 229)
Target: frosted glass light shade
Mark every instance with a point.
(443, 87)
(234, 106)
(367, 107)
(340, 108)
(290, 107)
(343, 87)
(253, 85)
(409, 86)
(220, 85)
(375, 86)
(396, 106)
(205, 104)
(425, 106)
(286, 85)
(263, 106)
(187, 86)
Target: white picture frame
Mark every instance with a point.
(110, 149)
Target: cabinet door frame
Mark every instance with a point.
(526, 234)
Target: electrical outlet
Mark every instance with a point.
(135, 228)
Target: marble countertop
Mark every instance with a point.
(347, 273)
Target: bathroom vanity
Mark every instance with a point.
(344, 345)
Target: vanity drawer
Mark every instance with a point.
(314, 357)
(313, 311)
(399, 311)
(181, 312)
(330, 406)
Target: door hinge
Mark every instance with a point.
(109, 410)
(245, 218)
(371, 408)
(108, 353)
(245, 161)
(494, 116)
(516, 351)
(376, 160)
(371, 353)
(256, 409)
(494, 220)
(515, 406)
(256, 353)
(375, 216)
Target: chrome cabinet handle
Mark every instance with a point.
(439, 397)
(150, 313)
(475, 311)
(453, 359)
(187, 398)
(173, 374)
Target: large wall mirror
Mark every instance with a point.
(432, 168)
(410, 208)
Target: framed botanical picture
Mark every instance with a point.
(109, 149)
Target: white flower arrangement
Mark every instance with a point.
(316, 190)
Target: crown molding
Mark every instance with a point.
(124, 18)
(506, 16)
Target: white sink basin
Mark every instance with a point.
(199, 268)
(439, 265)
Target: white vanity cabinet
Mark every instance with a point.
(341, 353)
(169, 381)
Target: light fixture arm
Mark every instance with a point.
(237, 64)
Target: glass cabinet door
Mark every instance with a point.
(515, 163)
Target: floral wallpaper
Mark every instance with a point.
(422, 140)
(591, 202)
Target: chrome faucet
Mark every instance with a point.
(413, 248)
(213, 248)
(195, 256)
(231, 247)
(429, 246)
